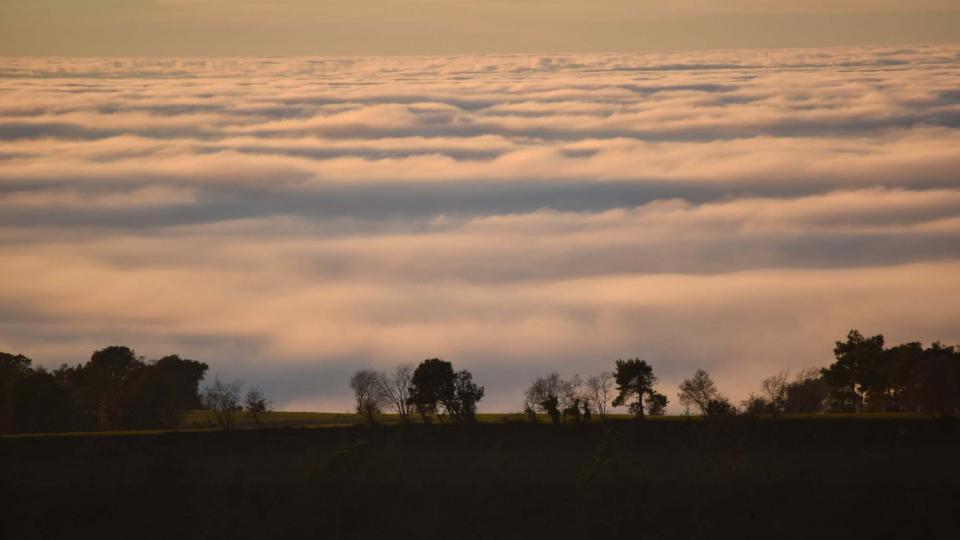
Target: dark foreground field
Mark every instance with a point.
(731, 478)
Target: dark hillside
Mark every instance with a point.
(734, 477)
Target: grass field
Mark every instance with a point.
(202, 420)
(205, 419)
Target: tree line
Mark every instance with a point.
(432, 390)
(117, 389)
(631, 385)
(114, 389)
(864, 377)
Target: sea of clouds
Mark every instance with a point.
(289, 220)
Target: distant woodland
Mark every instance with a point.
(118, 390)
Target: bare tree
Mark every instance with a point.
(544, 396)
(558, 398)
(530, 409)
(775, 390)
(600, 389)
(255, 404)
(366, 389)
(223, 400)
(395, 389)
(571, 397)
(699, 391)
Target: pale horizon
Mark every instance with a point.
(136, 28)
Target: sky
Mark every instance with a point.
(290, 219)
(312, 27)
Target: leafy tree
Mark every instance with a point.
(435, 385)
(698, 391)
(13, 367)
(634, 378)
(807, 393)
(431, 384)
(719, 406)
(656, 404)
(153, 395)
(865, 376)
(113, 363)
(856, 371)
(937, 380)
(901, 363)
(181, 378)
(30, 399)
(463, 406)
(756, 405)
(115, 388)
(91, 383)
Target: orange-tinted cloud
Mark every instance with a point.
(289, 220)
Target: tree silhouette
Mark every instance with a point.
(856, 370)
(223, 400)
(571, 395)
(255, 404)
(13, 365)
(395, 389)
(367, 393)
(775, 389)
(544, 396)
(431, 384)
(656, 404)
(12, 369)
(552, 407)
(153, 394)
(937, 379)
(462, 407)
(901, 363)
(30, 399)
(599, 388)
(807, 393)
(89, 384)
(719, 406)
(634, 378)
(698, 391)
(435, 385)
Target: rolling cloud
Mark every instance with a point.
(289, 220)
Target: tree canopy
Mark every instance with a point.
(435, 387)
(635, 379)
(115, 389)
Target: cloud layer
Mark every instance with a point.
(288, 220)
